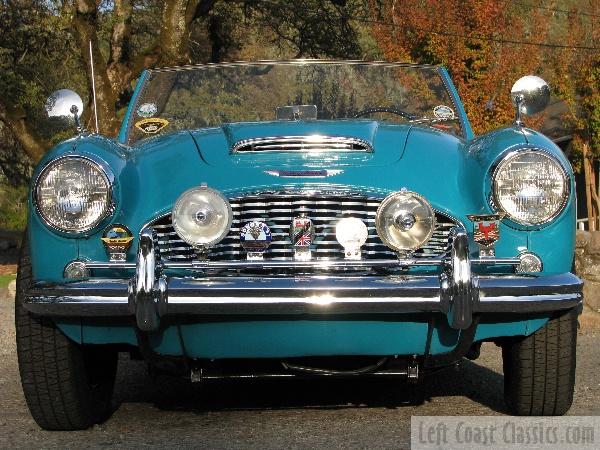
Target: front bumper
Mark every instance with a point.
(459, 294)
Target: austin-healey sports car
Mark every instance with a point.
(297, 218)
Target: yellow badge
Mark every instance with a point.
(117, 240)
(152, 125)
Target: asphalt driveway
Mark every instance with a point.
(277, 414)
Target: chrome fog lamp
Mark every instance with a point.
(405, 221)
(73, 194)
(529, 263)
(202, 216)
(531, 186)
(76, 270)
(352, 234)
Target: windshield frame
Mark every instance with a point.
(464, 125)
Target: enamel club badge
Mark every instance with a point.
(302, 232)
(152, 125)
(117, 240)
(255, 238)
(486, 231)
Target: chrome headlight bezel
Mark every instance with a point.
(497, 205)
(105, 173)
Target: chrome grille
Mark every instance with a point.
(302, 143)
(278, 210)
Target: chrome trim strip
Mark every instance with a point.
(318, 173)
(303, 61)
(531, 298)
(318, 300)
(295, 264)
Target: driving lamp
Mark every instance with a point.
(405, 221)
(73, 194)
(202, 216)
(352, 234)
(531, 186)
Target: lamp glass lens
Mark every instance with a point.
(531, 187)
(202, 216)
(351, 232)
(73, 194)
(405, 221)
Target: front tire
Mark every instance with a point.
(67, 386)
(539, 370)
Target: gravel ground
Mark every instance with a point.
(294, 414)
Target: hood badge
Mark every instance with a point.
(151, 125)
(302, 233)
(117, 240)
(304, 173)
(255, 238)
(486, 231)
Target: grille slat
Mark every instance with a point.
(324, 210)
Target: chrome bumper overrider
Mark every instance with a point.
(458, 293)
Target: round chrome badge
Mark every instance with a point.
(255, 237)
(147, 110)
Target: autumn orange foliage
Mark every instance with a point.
(488, 44)
(464, 36)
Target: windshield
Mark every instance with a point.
(208, 96)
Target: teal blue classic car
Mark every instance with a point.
(297, 218)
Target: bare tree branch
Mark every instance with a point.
(121, 32)
(85, 22)
(204, 7)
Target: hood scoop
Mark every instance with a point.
(315, 143)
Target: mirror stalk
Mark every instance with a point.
(518, 101)
(76, 117)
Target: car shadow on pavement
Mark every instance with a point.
(471, 380)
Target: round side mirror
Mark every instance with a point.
(64, 103)
(530, 94)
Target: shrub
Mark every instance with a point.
(13, 207)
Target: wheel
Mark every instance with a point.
(67, 386)
(539, 370)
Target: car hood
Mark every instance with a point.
(419, 158)
(387, 141)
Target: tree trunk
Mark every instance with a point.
(591, 195)
(16, 123)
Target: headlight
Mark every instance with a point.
(532, 187)
(202, 216)
(405, 221)
(73, 194)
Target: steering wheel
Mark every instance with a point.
(398, 112)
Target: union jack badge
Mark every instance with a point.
(486, 231)
(255, 238)
(302, 234)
